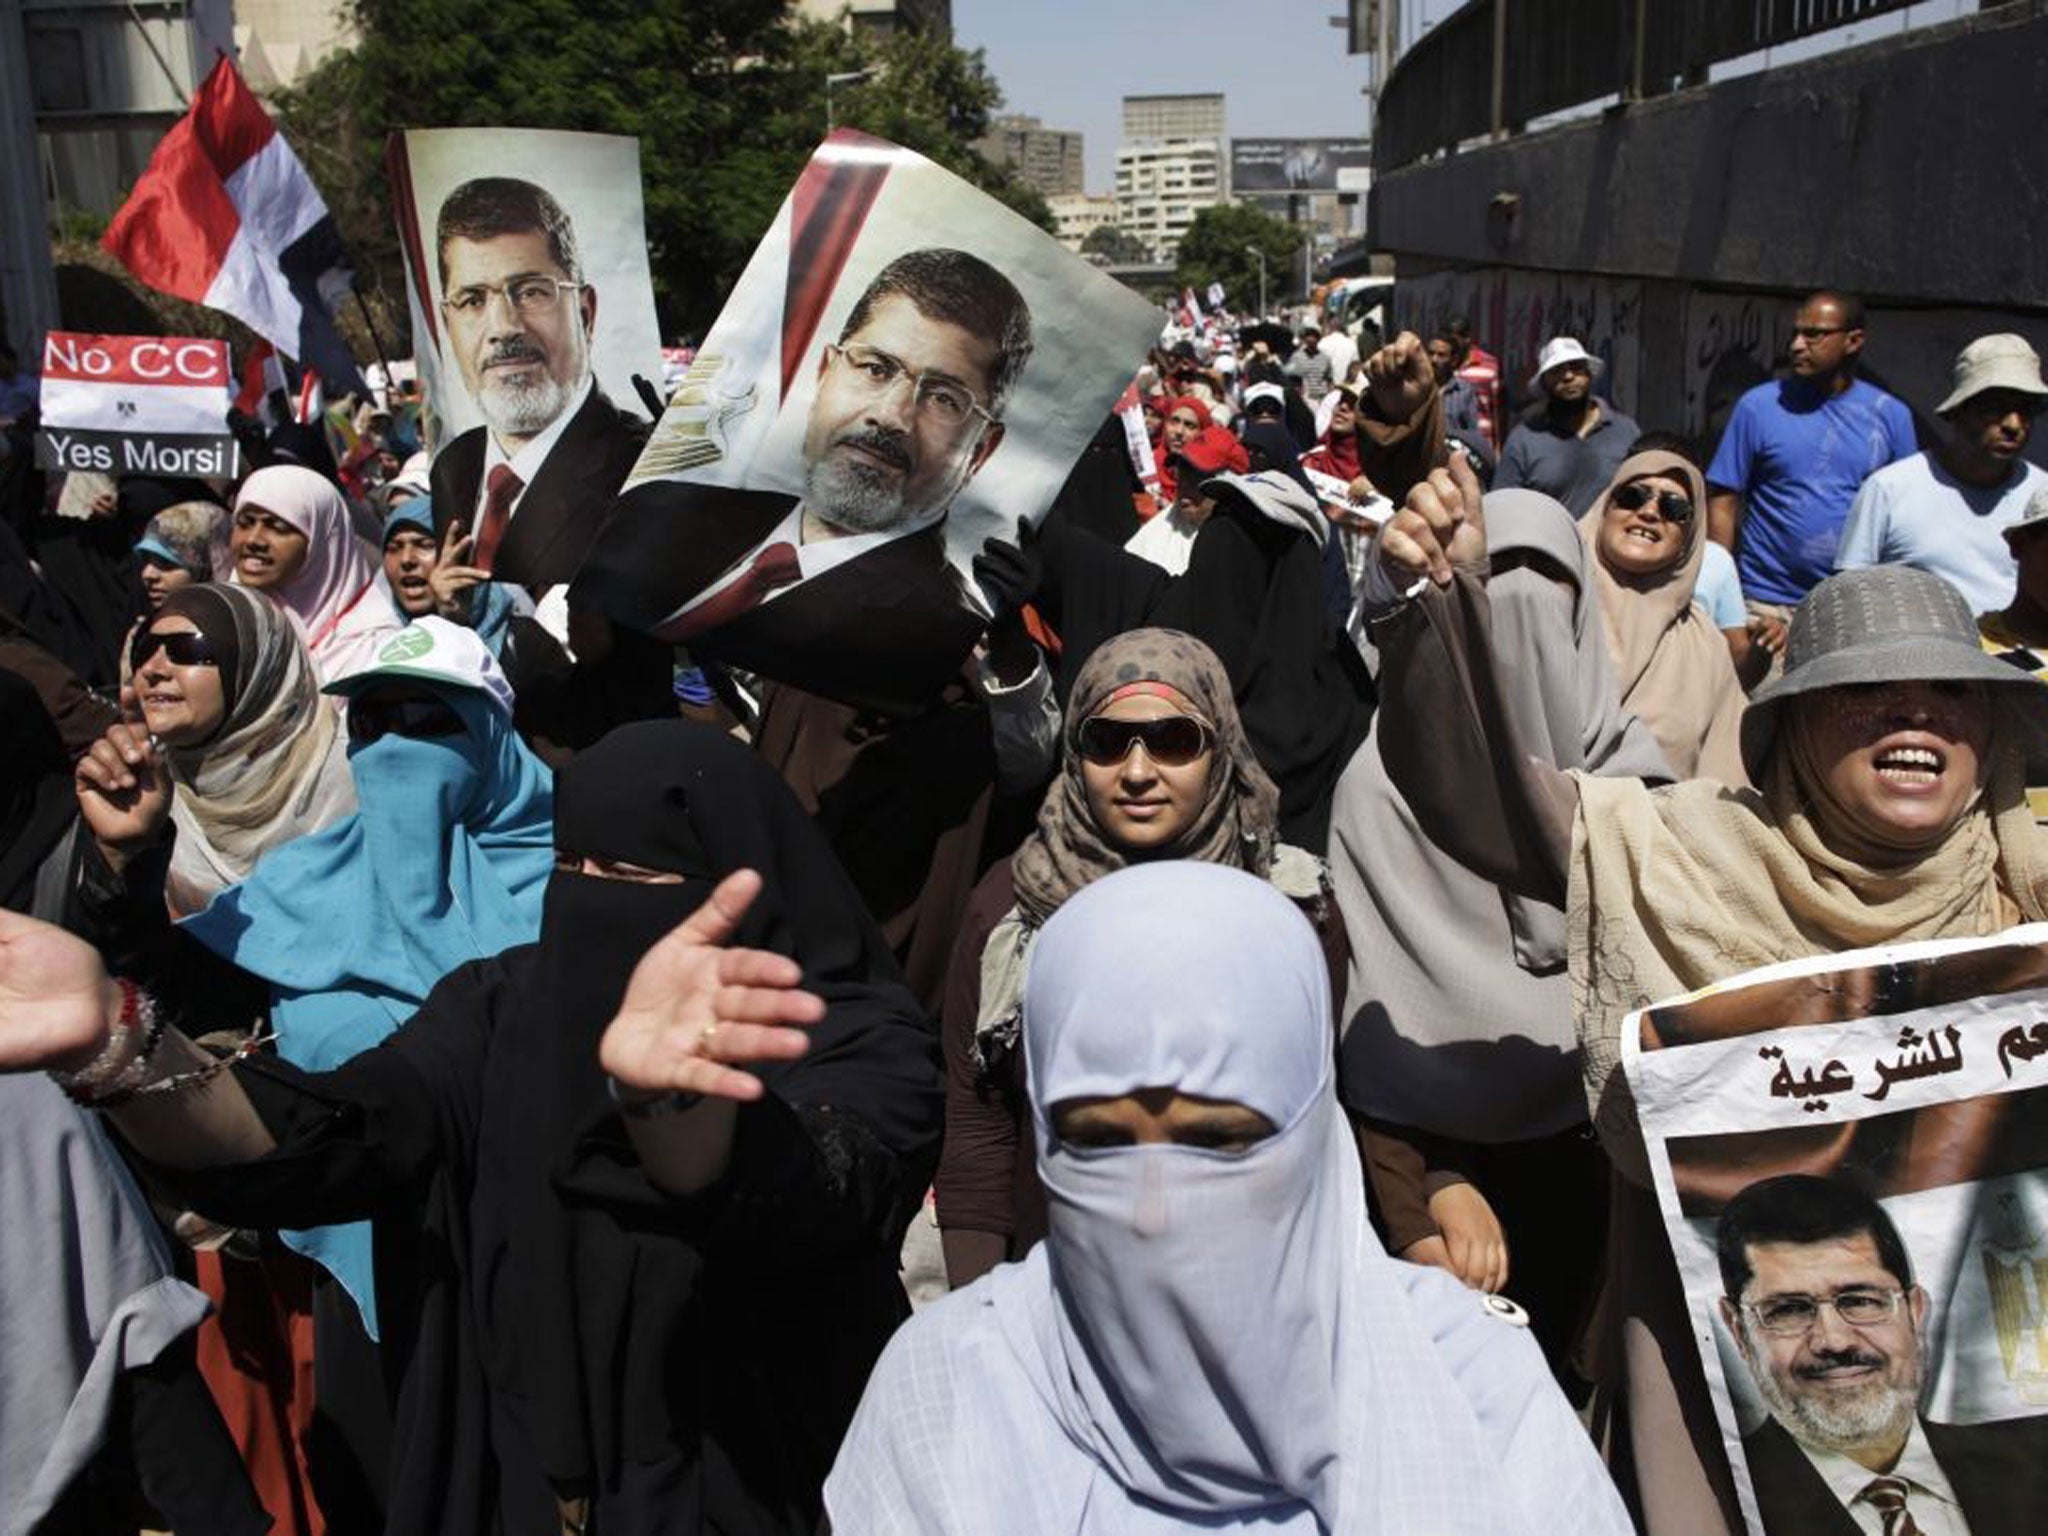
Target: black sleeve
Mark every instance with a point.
(357, 1140)
(125, 918)
(1091, 590)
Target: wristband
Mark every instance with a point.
(650, 1109)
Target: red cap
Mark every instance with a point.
(1213, 450)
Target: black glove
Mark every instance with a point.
(1010, 574)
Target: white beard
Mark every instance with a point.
(524, 410)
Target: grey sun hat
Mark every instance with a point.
(1887, 624)
(2030, 521)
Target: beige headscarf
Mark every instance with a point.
(1674, 889)
(1236, 825)
(276, 769)
(1672, 666)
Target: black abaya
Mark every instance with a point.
(559, 1327)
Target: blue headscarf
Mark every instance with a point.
(491, 608)
(445, 862)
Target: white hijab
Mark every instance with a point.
(1207, 1340)
(339, 600)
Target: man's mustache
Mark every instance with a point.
(883, 445)
(1835, 1359)
(514, 350)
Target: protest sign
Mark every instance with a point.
(1851, 1157)
(905, 368)
(533, 311)
(136, 405)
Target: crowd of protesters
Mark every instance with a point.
(470, 1068)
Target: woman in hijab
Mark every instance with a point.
(426, 579)
(1458, 1051)
(1156, 767)
(181, 545)
(1209, 1337)
(1182, 417)
(1648, 536)
(292, 542)
(643, 1308)
(1891, 762)
(444, 863)
(225, 687)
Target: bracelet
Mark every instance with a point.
(178, 1081)
(650, 1109)
(122, 1064)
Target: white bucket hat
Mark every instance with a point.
(2000, 361)
(1560, 350)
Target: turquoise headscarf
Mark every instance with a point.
(445, 862)
(491, 608)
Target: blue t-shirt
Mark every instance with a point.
(1798, 457)
(1718, 590)
(1916, 513)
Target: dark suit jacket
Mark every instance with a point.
(1999, 1471)
(560, 513)
(886, 630)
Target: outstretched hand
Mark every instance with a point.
(56, 1001)
(695, 1009)
(1442, 525)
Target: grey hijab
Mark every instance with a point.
(1457, 1013)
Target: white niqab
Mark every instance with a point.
(1207, 1340)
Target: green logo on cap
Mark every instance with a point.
(410, 645)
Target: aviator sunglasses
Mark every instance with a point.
(1173, 742)
(371, 719)
(1671, 506)
(186, 649)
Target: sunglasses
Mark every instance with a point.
(187, 649)
(371, 719)
(1671, 506)
(1173, 742)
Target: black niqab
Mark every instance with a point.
(585, 1273)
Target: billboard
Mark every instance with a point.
(1279, 167)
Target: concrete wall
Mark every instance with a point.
(1675, 236)
(1908, 169)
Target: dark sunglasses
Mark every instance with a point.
(1173, 742)
(370, 719)
(1671, 506)
(188, 649)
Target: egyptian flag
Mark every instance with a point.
(227, 217)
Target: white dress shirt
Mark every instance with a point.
(1929, 1498)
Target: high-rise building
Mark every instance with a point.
(1046, 158)
(883, 15)
(1075, 217)
(1172, 163)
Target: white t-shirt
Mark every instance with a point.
(1914, 512)
(1718, 589)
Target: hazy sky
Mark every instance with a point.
(1280, 64)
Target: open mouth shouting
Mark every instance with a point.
(1910, 766)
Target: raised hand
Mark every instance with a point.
(451, 581)
(56, 1001)
(124, 792)
(1442, 525)
(1399, 377)
(695, 1009)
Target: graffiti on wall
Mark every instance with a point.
(1513, 313)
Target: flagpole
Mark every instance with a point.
(376, 344)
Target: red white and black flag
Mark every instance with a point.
(226, 216)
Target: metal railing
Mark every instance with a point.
(1494, 65)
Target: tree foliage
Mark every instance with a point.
(1115, 244)
(1215, 250)
(727, 98)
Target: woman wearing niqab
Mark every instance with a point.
(570, 1343)
(1210, 1338)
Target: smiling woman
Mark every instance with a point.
(1647, 532)
(1890, 762)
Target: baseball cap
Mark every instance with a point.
(432, 650)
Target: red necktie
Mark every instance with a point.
(1887, 1495)
(500, 491)
(776, 566)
